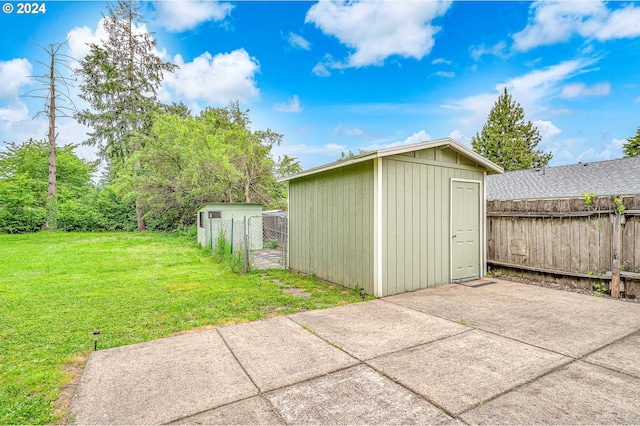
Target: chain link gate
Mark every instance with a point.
(266, 242)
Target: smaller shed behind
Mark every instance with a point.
(229, 219)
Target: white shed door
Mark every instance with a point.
(465, 230)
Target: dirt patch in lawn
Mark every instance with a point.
(74, 371)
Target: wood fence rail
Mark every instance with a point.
(567, 237)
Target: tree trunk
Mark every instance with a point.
(51, 223)
(141, 226)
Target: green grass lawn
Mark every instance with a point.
(55, 289)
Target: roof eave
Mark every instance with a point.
(387, 152)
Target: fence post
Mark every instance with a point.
(246, 244)
(616, 250)
(246, 253)
(232, 235)
(211, 233)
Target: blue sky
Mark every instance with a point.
(334, 76)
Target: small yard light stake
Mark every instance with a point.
(95, 339)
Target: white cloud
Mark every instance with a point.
(80, 39)
(556, 22)
(622, 23)
(321, 70)
(478, 106)
(298, 42)
(420, 136)
(458, 136)
(579, 90)
(637, 99)
(376, 30)
(14, 74)
(440, 61)
(293, 105)
(215, 79)
(184, 15)
(547, 129)
(329, 148)
(446, 74)
(532, 91)
(608, 152)
(498, 50)
(340, 130)
(354, 131)
(17, 111)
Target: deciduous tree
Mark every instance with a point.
(213, 157)
(24, 171)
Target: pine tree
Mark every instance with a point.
(632, 147)
(120, 79)
(507, 140)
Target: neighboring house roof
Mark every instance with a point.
(444, 143)
(613, 177)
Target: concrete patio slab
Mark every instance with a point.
(367, 330)
(159, 381)
(579, 393)
(252, 411)
(358, 395)
(555, 320)
(494, 369)
(459, 372)
(278, 352)
(623, 356)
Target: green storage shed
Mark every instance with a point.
(394, 220)
(230, 219)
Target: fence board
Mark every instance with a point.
(562, 235)
(594, 245)
(636, 266)
(545, 237)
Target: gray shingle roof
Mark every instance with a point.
(613, 177)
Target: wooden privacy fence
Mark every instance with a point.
(569, 240)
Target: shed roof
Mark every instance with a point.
(612, 177)
(230, 205)
(439, 143)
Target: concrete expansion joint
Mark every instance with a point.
(570, 361)
(425, 313)
(237, 360)
(429, 400)
(381, 371)
(471, 327)
(608, 367)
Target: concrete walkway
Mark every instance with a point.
(502, 353)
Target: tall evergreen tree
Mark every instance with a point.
(507, 140)
(120, 79)
(632, 147)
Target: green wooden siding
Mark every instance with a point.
(416, 219)
(331, 225)
(228, 211)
